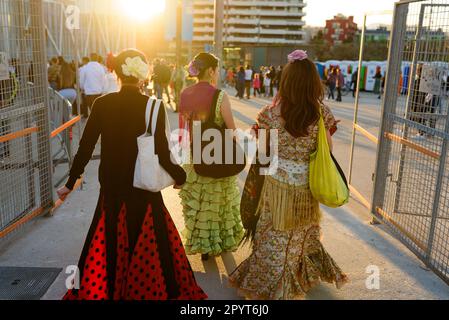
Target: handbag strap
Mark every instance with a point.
(213, 107)
(149, 110)
(152, 115)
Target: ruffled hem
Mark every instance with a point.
(211, 209)
(314, 269)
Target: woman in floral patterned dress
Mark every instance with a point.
(288, 258)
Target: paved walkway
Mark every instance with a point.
(355, 245)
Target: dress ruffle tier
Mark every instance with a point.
(211, 209)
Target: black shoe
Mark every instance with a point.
(205, 257)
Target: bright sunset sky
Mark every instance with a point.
(319, 10)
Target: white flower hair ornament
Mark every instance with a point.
(135, 67)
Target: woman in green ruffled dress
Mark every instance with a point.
(211, 207)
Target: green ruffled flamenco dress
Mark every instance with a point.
(211, 209)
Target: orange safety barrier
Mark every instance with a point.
(65, 126)
(412, 145)
(58, 203)
(367, 134)
(18, 134)
(34, 214)
(21, 221)
(359, 196)
(387, 217)
(27, 131)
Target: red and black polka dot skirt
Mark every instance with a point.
(155, 269)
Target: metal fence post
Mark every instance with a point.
(39, 54)
(357, 98)
(410, 89)
(218, 37)
(391, 86)
(436, 203)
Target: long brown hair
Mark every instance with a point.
(301, 95)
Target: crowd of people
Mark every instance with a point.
(97, 78)
(335, 81)
(133, 250)
(249, 82)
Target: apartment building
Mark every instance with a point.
(340, 29)
(254, 30)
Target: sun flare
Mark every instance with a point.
(142, 10)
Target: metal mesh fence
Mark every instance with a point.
(102, 28)
(25, 174)
(411, 190)
(36, 122)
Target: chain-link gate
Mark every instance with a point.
(411, 192)
(25, 167)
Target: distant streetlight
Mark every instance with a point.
(179, 74)
(218, 35)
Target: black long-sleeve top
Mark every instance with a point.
(119, 118)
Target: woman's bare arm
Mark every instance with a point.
(226, 112)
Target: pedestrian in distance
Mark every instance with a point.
(382, 86)
(248, 80)
(418, 103)
(161, 78)
(92, 83)
(377, 81)
(67, 80)
(133, 250)
(262, 78)
(267, 84)
(111, 80)
(279, 77)
(256, 85)
(354, 84)
(340, 84)
(84, 61)
(230, 77)
(272, 76)
(241, 83)
(54, 73)
(331, 83)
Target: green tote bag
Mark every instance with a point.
(327, 181)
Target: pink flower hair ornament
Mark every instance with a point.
(297, 55)
(194, 68)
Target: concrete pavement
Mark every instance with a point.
(355, 245)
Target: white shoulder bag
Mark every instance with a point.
(149, 174)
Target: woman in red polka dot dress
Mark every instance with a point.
(133, 250)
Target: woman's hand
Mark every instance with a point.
(334, 127)
(177, 187)
(63, 193)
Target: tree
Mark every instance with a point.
(319, 48)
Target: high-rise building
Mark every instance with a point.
(255, 31)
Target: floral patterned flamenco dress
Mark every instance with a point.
(288, 258)
(211, 207)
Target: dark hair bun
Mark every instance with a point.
(201, 63)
